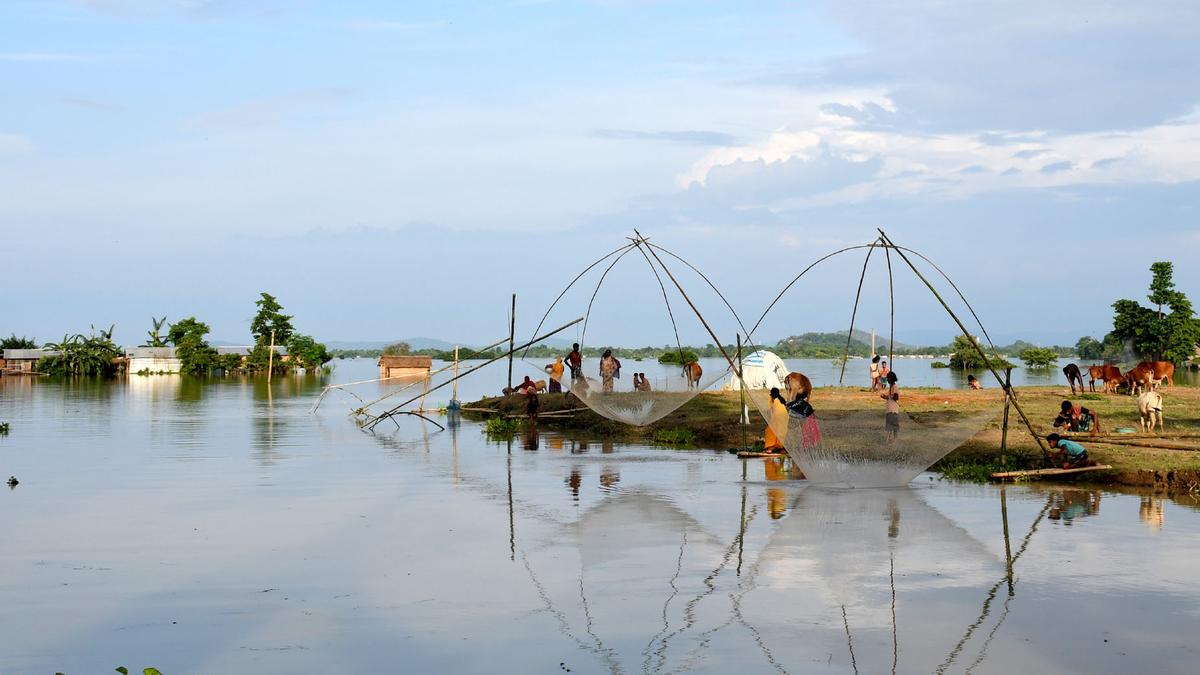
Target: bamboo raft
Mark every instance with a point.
(746, 454)
(1048, 472)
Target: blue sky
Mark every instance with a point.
(397, 169)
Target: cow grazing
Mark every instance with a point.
(692, 371)
(1146, 375)
(1073, 375)
(797, 384)
(1109, 375)
(1150, 405)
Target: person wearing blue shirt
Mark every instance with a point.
(1070, 453)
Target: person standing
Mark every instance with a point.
(575, 362)
(609, 367)
(875, 373)
(777, 424)
(891, 417)
(556, 370)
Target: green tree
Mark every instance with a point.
(155, 338)
(196, 357)
(1152, 333)
(270, 319)
(14, 342)
(965, 356)
(307, 352)
(93, 355)
(1039, 357)
(397, 349)
(1089, 348)
(674, 356)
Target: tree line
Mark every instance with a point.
(95, 354)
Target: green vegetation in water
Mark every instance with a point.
(1039, 358)
(3, 428)
(93, 355)
(675, 436)
(939, 364)
(501, 427)
(145, 671)
(980, 471)
(966, 355)
(678, 357)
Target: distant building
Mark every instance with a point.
(244, 351)
(404, 366)
(21, 361)
(152, 360)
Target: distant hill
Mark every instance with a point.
(860, 339)
(414, 342)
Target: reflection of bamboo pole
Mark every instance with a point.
(988, 362)
(1007, 546)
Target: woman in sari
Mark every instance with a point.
(777, 424)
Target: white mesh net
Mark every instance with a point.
(839, 445)
(640, 407)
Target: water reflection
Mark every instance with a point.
(1067, 505)
(1150, 511)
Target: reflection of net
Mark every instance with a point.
(855, 449)
(639, 408)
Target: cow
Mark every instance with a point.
(797, 384)
(1147, 374)
(1150, 405)
(1109, 375)
(1073, 375)
(692, 371)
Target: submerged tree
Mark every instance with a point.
(269, 320)
(93, 355)
(1089, 348)
(307, 353)
(1153, 333)
(1039, 357)
(965, 356)
(155, 338)
(195, 356)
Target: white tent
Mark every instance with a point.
(760, 370)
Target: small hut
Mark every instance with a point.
(22, 361)
(152, 360)
(404, 366)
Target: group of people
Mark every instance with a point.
(783, 413)
(610, 370)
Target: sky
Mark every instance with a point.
(390, 170)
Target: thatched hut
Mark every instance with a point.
(404, 366)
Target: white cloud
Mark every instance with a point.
(949, 164)
(51, 57)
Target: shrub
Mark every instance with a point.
(676, 436)
(501, 427)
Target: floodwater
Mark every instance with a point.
(209, 527)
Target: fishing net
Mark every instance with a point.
(639, 408)
(633, 293)
(839, 445)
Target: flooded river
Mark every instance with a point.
(218, 527)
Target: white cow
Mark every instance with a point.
(1150, 406)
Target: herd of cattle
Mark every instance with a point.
(1145, 376)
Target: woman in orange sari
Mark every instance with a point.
(776, 424)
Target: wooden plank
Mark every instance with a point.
(1049, 472)
(751, 453)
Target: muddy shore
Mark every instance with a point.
(1169, 460)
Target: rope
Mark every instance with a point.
(891, 307)
(854, 313)
(665, 300)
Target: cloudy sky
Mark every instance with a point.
(397, 169)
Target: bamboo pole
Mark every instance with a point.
(717, 340)
(271, 357)
(1008, 389)
(454, 395)
(1004, 429)
(744, 417)
(512, 329)
(854, 312)
(396, 409)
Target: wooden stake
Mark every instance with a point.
(1004, 429)
(512, 329)
(1011, 395)
(454, 396)
(271, 356)
(744, 417)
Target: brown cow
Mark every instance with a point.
(1147, 374)
(692, 371)
(1073, 375)
(1109, 375)
(797, 384)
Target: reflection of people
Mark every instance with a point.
(973, 382)
(574, 481)
(1071, 504)
(556, 373)
(875, 373)
(610, 367)
(1070, 454)
(1151, 512)
(1076, 418)
(777, 421)
(776, 498)
(891, 417)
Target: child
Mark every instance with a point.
(891, 423)
(973, 382)
(1076, 418)
(1072, 454)
(875, 373)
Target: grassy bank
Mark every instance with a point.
(1170, 460)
